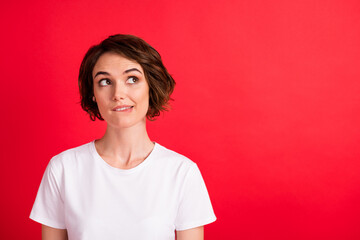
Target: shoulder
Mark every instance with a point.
(70, 156)
(170, 158)
(166, 153)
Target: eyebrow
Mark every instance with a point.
(132, 69)
(126, 71)
(104, 73)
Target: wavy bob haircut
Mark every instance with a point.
(161, 84)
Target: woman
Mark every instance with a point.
(122, 186)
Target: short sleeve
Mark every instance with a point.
(48, 208)
(195, 208)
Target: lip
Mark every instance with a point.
(123, 108)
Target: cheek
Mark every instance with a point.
(101, 109)
(102, 105)
(143, 96)
(144, 99)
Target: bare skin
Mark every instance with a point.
(191, 234)
(49, 233)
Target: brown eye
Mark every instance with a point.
(104, 82)
(132, 80)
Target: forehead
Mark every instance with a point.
(114, 62)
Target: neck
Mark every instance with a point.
(126, 146)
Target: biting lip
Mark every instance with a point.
(122, 108)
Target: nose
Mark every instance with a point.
(119, 92)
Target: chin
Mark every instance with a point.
(124, 123)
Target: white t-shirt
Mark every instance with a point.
(80, 192)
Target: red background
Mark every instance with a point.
(267, 103)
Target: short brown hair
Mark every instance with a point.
(161, 84)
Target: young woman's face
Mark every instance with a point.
(121, 90)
